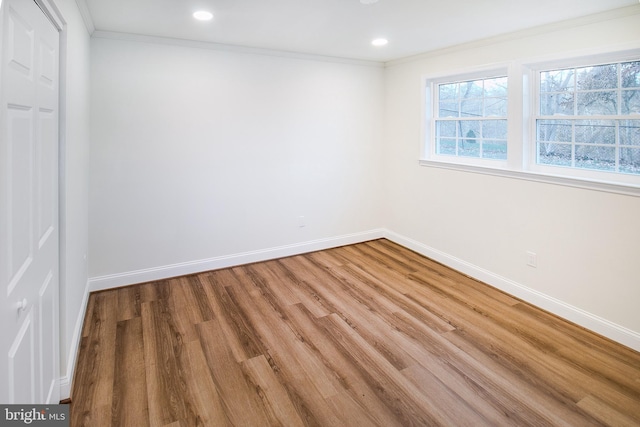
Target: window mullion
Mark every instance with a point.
(617, 145)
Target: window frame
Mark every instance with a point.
(522, 101)
(589, 175)
(430, 105)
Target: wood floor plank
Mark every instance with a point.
(128, 303)
(421, 263)
(370, 334)
(606, 414)
(523, 394)
(466, 412)
(399, 393)
(466, 374)
(486, 333)
(280, 408)
(397, 277)
(360, 313)
(293, 363)
(289, 279)
(153, 291)
(300, 286)
(378, 283)
(264, 276)
(281, 340)
(352, 378)
(533, 357)
(352, 413)
(241, 337)
(579, 337)
(189, 306)
(96, 363)
(242, 405)
(130, 405)
(164, 356)
(202, 392)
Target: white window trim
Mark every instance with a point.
(521, 135)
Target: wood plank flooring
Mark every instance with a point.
(364, 335)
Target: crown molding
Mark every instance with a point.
(112, 35)
(622, 12)
(86, 16)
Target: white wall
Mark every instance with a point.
(587, 242)
(199, 153)
(74, 186)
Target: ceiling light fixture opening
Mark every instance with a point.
(203, 15)
(368, 1)
(379, 42)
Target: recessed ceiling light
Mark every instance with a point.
(203, 15)
(379, 42)
(368, 1)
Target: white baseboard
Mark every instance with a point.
(67, 379)
(576, 315)
(191, 267)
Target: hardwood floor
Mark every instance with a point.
(364, 335)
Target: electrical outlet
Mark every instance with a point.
(301, 222)
(532, 259)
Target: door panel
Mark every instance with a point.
(47, 330)
(29, 242)
(47, 175)
(19, 180)
(22, 366)
(20, 43)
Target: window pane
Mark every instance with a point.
(446, 128)
(448, 91)
(460, 126)
(495, 107)
(598, 77)
(630, 132)
(448, 109)
(471, 108)
(469, 148)
(595, 157)
(495, 129)
(446, 146)
(630, 160)
(472, 89)
(596, 131)
(600, 129)
(470, 130)
(554, 154)
(495, 87)
(604, 102)
(494, 150)
(630, 73)
(556, 81)
(554, 130)
(630, 102)
(556, 103)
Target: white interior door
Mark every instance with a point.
(29, 249)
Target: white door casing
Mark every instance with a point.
(29, 236)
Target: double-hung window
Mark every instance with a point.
(469, 119)
(588, 118)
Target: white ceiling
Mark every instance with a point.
(339, 28)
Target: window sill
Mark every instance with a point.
(566, 181)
